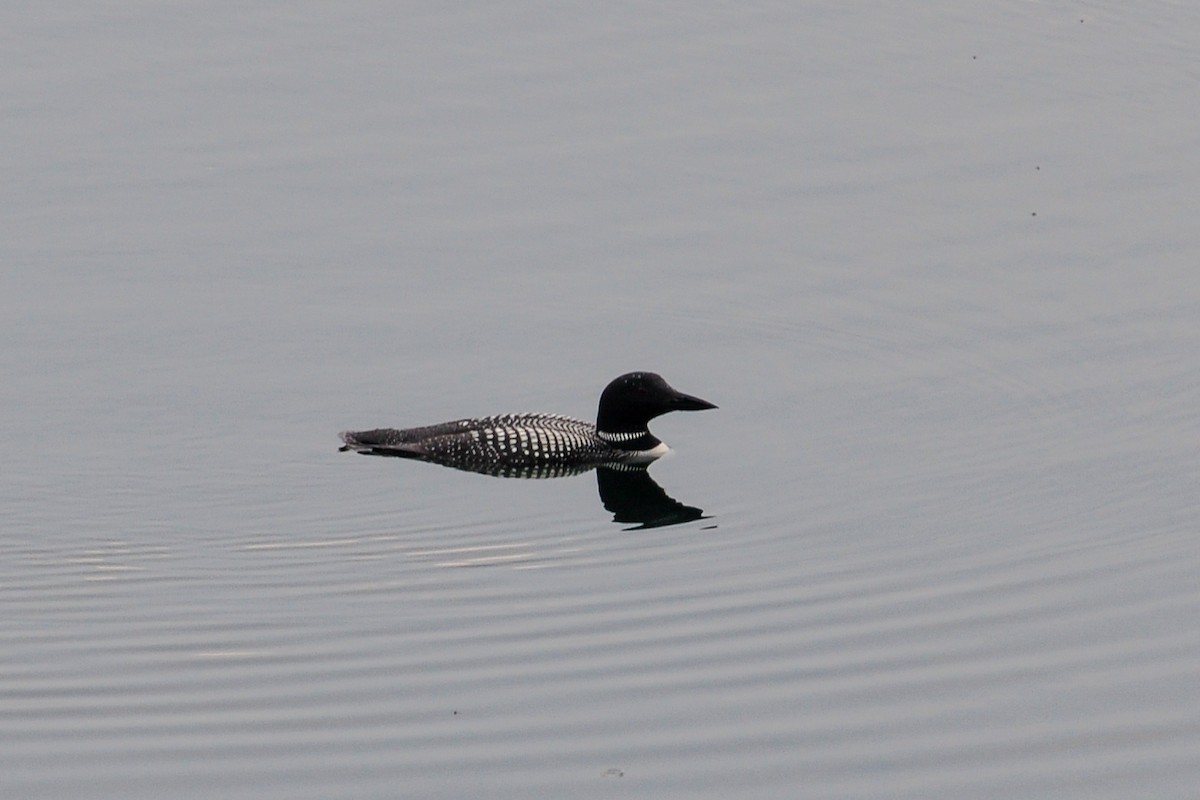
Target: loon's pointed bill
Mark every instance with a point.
(686, 402)
(500, 444)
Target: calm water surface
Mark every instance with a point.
(937, 268)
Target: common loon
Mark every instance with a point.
(542, 445)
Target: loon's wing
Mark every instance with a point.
(495, 445)
(430, 440)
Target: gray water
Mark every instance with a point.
(936, 265)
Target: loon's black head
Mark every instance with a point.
(635, 398)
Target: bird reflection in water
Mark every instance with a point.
(633, 496)
(626, 490)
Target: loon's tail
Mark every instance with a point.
(381, 442)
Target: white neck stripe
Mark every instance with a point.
(627, 436)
